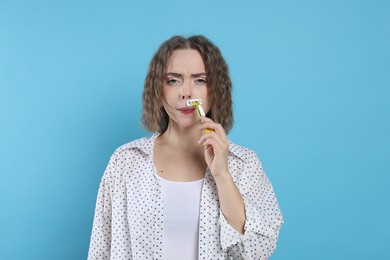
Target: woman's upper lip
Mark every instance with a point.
(187, 108)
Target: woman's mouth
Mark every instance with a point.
(186, 110)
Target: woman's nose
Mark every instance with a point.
(186, 96)
(186, 91)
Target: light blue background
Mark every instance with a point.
(311, 91)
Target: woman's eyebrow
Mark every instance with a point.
(173, 74)
(178, 75)
(197, 75)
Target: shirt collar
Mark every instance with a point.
(146, 145)
(237, 151)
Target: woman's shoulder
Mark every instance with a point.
(242, 152)
(143, 144)
(245, 167)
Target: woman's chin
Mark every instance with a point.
(186, 125)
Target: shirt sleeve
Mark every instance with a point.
(263, 219)
(100, 244)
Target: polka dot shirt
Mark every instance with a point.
(128, 221)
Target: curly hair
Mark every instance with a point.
(219, 85)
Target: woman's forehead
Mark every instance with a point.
(185, 61)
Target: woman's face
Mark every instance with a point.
(185, 78)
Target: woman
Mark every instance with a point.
(185, 193)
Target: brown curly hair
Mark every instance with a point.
(219, 85)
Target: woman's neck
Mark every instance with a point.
(182, 138)
(178, 156)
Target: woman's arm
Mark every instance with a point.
(231, 202)
(251, 219)
(100, 244)
(216, 146)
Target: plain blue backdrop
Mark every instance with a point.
(311, 92)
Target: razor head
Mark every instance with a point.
(193, 102)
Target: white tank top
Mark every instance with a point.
(181, 203)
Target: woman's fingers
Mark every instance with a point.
(210, 124)
(216, 145)
(214, 139)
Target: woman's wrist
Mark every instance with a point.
(223, 178)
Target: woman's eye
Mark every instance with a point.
(200, 81)
(173, 82)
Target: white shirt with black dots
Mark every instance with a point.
(129, 221)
